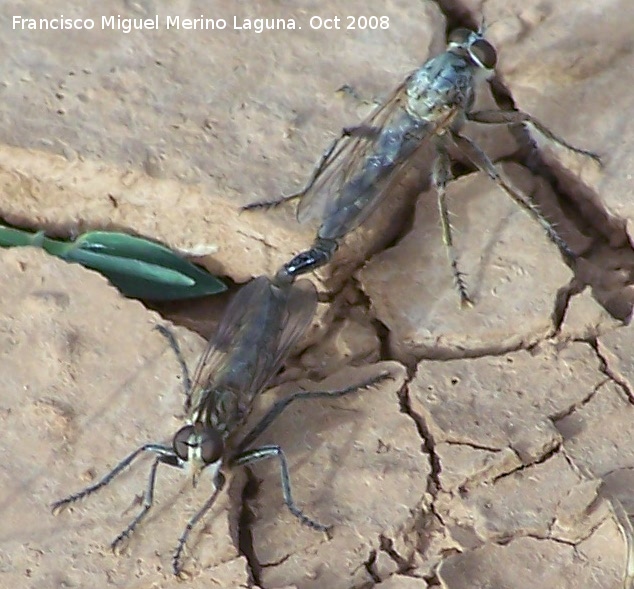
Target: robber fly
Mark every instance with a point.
(261, 325)
(363, 165)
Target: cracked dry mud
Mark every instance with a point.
(500, 451)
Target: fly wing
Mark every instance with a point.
(354, 179)
(262, 323)
(348, 161)
(300, 305)
(218, 352)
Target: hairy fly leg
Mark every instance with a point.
(274, 412)
(274, 451)
(441, 175)
(165, 455)
(167, 333)
(244, 456)
(481, 161)
(512, 117)
(118, 544)
(177, 566)
(327, 157)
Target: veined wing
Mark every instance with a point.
(300, 303)
(219, 350)
(343, 186)
(347, 160)
(260, 325)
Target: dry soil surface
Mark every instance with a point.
(498, 453)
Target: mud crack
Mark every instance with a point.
(557, 446)
(611, 373)
(245, 533)
(433, 479)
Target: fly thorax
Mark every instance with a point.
(420, 103)
(433, 100)
(217, 409)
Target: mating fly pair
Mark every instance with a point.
(365, 163)
(260, 327)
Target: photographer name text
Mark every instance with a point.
(256, 25)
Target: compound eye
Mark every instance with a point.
(459, 36)
(211, 446)
(483, 52)
(207, 440)
(183, 440)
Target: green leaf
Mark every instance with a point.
(138, 267)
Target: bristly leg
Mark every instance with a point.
(511, 117)
(481, 161)
(441, 175)
(275, 411)
(167, 333)
(324, 161)
(177, 566)
(163, 451)
(118, 544)
(274, 451)
(270, 204)
(245, 456)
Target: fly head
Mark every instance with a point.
(475, 47)
(199, 445)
